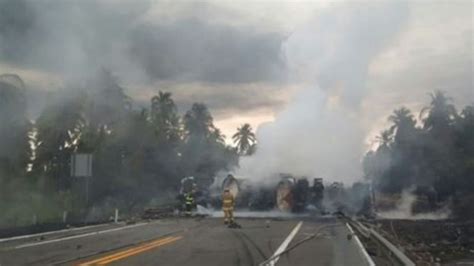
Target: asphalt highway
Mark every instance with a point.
(192, 241)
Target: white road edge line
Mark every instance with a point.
(361, 247)
(78, 236)
(285, 244)
(50, 232)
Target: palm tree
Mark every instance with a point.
(244, 138)
(384, 139)
(59, 128)
(404, 125)
(439, 115)
(164, 116)
(198, 122)
(402, 117)
(162, 103)
(109, 105)
(217, 136)
(15, 150)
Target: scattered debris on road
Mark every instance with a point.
(158, 212)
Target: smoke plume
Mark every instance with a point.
(404, 207)
(320, 134)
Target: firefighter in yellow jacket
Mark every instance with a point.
(228, 202)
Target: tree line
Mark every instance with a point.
(138, 153)
(432, 154)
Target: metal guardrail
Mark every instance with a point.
(363, 251)
(393, 252)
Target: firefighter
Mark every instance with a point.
(189, 203)
(228, 207)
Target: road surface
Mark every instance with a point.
(190, 241)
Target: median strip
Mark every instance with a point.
(132, 251)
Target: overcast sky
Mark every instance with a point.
(232, 55)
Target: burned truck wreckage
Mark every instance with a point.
(285, 193)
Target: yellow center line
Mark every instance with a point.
(138, 251)
(124, 252)
(130, 252)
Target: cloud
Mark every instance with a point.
(82, 36)
(16, 21)
(66, 37)
(224, 100)
(197, 50)
(231, 56)
(433, 52)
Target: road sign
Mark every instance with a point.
(81, 165)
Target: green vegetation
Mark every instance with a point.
(139, 155)
(435, 156)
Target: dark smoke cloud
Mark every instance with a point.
(52, 34)
(193, 49)
(229, 55)
(72, 37)
(16, 22)
(223, 64)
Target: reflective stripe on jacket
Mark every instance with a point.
(227, 201)
(189, 199)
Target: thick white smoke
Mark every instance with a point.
(320, 133)
(403, 210)
(308, 138)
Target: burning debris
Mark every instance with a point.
(158, 213)
(286, 194)
(317, 193)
